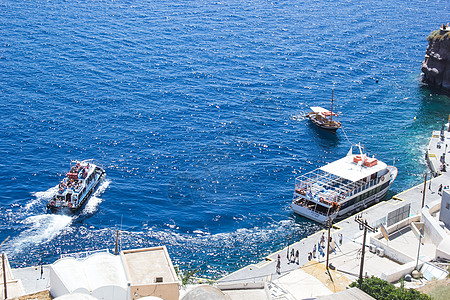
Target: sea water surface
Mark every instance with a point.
(195, 110)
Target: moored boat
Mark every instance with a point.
(342, 187)
(76, 188)
(323, 118)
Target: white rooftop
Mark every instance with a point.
(318, 109)
(346, 168)
(101, 275)
(143, 266)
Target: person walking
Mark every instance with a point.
(314, 251)
(297, 257)
(279, 264)
(340, 238)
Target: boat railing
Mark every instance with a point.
(316, 187)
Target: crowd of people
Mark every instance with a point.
(73, 179)
(318, 250)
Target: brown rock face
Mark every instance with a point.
(436, 66)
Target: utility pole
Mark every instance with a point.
(287, 253)
(328, 244)
(424, 189)
(117, 242)
(363, 251)
(4, 268)
(4, 276)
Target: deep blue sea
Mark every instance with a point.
(195, 110)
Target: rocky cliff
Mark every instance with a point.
(436, 66)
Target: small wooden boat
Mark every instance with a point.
(76, 188)
(323, 118)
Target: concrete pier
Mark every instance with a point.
(437, 155)
(346, 257)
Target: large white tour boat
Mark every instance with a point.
(76, 188)
(344, 186)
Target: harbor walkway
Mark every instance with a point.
(437, 156)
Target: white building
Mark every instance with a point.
(131, 275)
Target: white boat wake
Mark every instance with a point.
(95, 200)
(45, 227)
(41, 229)
(40, 197)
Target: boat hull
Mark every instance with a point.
(332, 127)
(307, 213)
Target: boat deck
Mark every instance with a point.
(321, 183)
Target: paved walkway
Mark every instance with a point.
(352, 236)
(438, 151)
(32, 280)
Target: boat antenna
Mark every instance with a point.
(331, 115)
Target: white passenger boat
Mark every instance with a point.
(342, 187)
(76, 188)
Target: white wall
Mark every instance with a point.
(57, 287)
(433, 232)
(444, 214)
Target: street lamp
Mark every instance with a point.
(287, 253)
(328, 243)
(418, 250)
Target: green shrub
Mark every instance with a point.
(436, 35)
(382, 290)
(433, 35)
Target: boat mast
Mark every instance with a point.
(331, 115)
